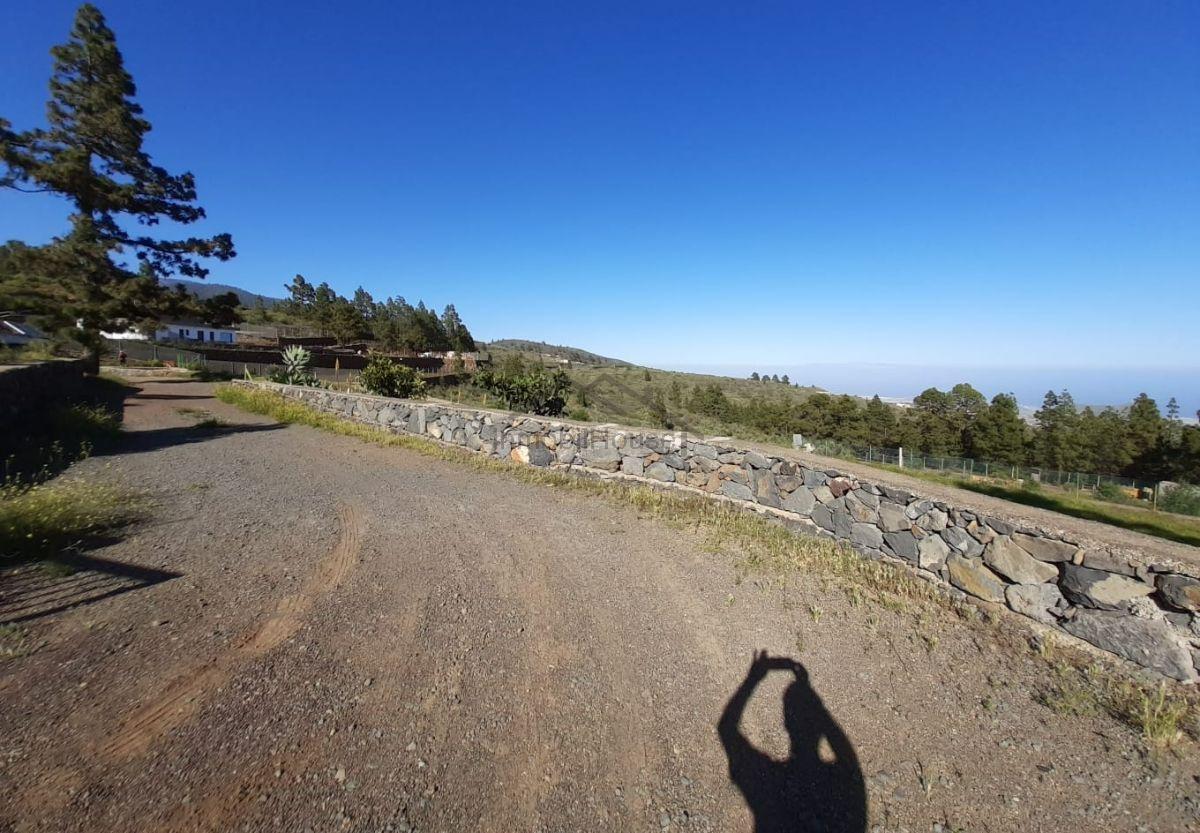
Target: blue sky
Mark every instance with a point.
(774, 184)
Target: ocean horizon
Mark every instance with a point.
(1098, 387)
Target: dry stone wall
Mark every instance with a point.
(1119, 600)
(28, 390)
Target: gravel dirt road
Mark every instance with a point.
(313, 633)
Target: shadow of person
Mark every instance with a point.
(804, 794)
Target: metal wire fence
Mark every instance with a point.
(966, 467)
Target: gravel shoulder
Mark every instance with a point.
(360, 638)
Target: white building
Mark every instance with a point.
(179, 331)
(194, 331)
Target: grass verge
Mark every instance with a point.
(1161, 715)
(40, 449)
(1171, 527)
(1158, 714)
(47, 518)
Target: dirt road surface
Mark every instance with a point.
(313, 633)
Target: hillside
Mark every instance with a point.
(543, 351)
(638, 396)
(644, 396)
(204, 289)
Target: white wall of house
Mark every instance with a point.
(195, 332)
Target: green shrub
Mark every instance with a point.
(63, 436)
(532, 391)
(1112, 493)
(579, 415)
(1183, 500)
(384, 377)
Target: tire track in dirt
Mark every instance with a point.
(185, 696)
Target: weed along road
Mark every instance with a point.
(326, 634)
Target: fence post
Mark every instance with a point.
(901, 456)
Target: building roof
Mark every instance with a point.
(9, 326)
(192, 322)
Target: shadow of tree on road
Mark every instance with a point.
(137, 442)
(804, 794)
(30, 591)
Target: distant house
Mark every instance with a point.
(194, 331)
(15, 331)
(179, 331)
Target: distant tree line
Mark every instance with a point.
(394, 322)
(770, 377)
(1138, 441)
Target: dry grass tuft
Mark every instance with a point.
(44, 519)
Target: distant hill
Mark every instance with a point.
(204, 289)
(556, 351)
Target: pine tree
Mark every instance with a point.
(1058, 444)
(966, 404)
(933, 423)
(1173, 430)
(91, 154)
(457, 334)
(880, 423)
(1145, 426)
(998, 434)
(222, 310)
(302, 293)
(363, 303)
(345, 321)
(1106, 437)
(754, 376)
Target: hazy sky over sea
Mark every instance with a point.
(1089, 386)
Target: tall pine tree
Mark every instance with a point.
(91, 154)
(998, 433)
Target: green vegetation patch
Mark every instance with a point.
(63, 436)
(1160, 713)
(45, 519)
(1185, 530)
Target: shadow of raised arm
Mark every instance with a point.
(802, 794)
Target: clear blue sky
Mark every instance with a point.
(768, 183)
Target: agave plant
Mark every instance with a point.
(295, 371)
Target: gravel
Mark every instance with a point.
(363, 638)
